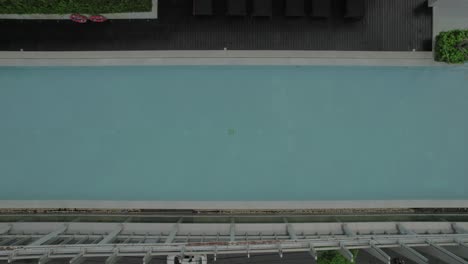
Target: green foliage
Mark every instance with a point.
(448, 46)
(334, 257)
(73, 6)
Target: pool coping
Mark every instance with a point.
(232, 205)
(217, 57)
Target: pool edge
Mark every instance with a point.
(217, 57)
(232, 205)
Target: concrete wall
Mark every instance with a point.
(449, 3)
(449, 14)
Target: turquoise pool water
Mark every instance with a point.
(234, 133)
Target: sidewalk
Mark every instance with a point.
(217, 57)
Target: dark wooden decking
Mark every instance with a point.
(389, 25)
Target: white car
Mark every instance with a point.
(187, 259)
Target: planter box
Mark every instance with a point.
(153, 14)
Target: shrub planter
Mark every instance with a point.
(452, 46)
(334, 257)
(62, 9)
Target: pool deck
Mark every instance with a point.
(217, 57)
(397, 25)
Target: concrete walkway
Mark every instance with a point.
(217, 57)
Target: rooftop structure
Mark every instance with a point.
(78, 242)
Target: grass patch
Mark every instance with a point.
(452, 46)
(334, 257)
(73, 6)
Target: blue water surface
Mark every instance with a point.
(233, 133)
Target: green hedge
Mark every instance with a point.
(448, 46)
(334, 257)
(73, 6)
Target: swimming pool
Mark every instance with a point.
(233, 133)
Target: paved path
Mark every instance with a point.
(217, 57)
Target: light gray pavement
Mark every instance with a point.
(217, 57)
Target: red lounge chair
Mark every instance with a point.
(98, 18)
(78, 18)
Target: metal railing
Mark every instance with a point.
(77, 241)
